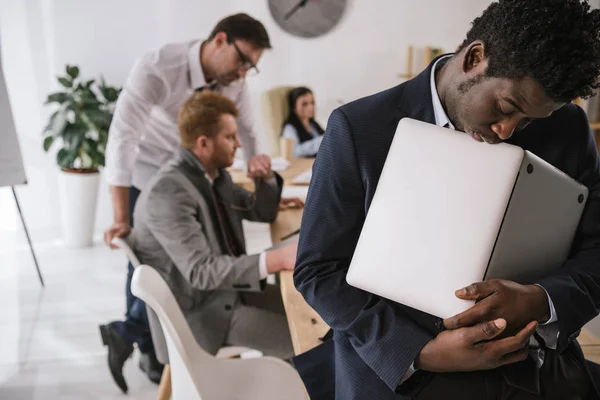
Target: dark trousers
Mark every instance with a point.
(334, 367)
(135, 328)
(562, 377)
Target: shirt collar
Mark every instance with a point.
(193, 160)
(441, 119)
(197, 79)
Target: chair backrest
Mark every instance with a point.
(128, 244)
(275, 110)
(148, 285)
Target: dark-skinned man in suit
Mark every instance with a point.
(512, 80)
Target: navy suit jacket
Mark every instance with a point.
(376, 340)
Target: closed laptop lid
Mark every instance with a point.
(434, 218)
(539, 224)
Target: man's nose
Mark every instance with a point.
(505, 128)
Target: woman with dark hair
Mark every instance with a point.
(300, 125)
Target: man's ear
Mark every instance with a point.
(202, 142)
(220, 39)
(474, 57)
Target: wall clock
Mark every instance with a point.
(307, 18)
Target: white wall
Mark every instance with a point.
(362, 55)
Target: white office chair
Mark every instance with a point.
(198, 375)
(128, 245)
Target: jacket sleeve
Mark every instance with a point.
(381, 331)
(173, 220)
(263, 204)
(575, 288)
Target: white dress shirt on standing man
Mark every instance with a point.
(143, 135)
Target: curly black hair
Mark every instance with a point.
(554, 42)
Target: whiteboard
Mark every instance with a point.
(11, 163)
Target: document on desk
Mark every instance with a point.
(303, 178)
(295, 191)
(278, 164)
(257, 236)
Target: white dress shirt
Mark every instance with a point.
(549, 329)
(307, 148)
(143, 135)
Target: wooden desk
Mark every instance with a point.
(590, 345)
(298, 165)
(306, 326)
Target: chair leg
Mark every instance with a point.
(164, 389)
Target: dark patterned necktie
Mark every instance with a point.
(224, 223)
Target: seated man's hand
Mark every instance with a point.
(290, 202)
(472, 349)
(118, 229)
(259, 167)
(497, 298)
(282, 259)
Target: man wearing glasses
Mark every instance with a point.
(143, 137)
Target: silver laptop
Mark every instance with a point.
(450, 211)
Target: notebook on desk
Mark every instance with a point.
(449, 211)
(278, 164)
(303, 178)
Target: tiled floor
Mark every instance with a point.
(49, 342)
(50, 347)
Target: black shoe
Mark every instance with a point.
(118, 352)
(150, 365)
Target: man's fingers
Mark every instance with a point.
(290, 202)
(525, 333)
(260, 162)
(514, 343)
(265, 162)
(123, 233)
(514, 357)
(470, 317)
(475, 291)
(298, 202)
(108, 236)
(484, 331)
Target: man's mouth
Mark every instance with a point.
(481, 138)
(477, 137)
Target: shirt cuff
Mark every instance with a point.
(118, 177)
(553, 316)
(411, 370)
(549, 330)
(262, 266)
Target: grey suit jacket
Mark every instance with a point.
(178, 232)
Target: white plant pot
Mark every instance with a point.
(78, 196)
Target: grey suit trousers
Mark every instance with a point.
(259, 322)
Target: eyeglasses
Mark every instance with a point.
(245, 63)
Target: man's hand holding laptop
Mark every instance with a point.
(493, 332)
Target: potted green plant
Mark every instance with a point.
(83, 111)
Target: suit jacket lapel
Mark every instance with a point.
(196, 174)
